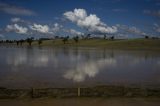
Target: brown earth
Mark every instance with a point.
(83, 102)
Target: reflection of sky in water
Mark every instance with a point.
(88, 69)
(21, 57)
(64, 66)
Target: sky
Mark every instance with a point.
(20, 19)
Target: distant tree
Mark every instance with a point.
(155, 38)
(112, 38)
(65, 39)
(17, 43)
(56, 37)
(76, 39)
(104, 37)
(30, 40)
(82, 36)
(10, 41)
(88, 36)
(40, 42)
(21, 42)
(146, 37)
(7, 41)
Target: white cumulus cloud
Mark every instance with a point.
(90, 22)
(131, 30)
(73, 32)
(40, 28)
(57, 27)
(16, 28)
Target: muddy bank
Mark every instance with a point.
(98, 91)
(83, 102)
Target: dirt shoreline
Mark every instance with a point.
(83, 102)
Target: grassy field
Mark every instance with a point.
(125, 44)
(138, 44)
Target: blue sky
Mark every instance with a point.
(45, 18)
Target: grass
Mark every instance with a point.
(126, 44)
(138, 44)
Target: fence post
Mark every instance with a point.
(79, 91)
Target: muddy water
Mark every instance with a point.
(67, 67)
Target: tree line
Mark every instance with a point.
(64, 39)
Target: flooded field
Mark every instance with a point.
(71, 67)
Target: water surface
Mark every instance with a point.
(67, 67)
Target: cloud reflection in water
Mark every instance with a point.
(89, 69)
(24, 58)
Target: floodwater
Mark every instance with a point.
(26, 67)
